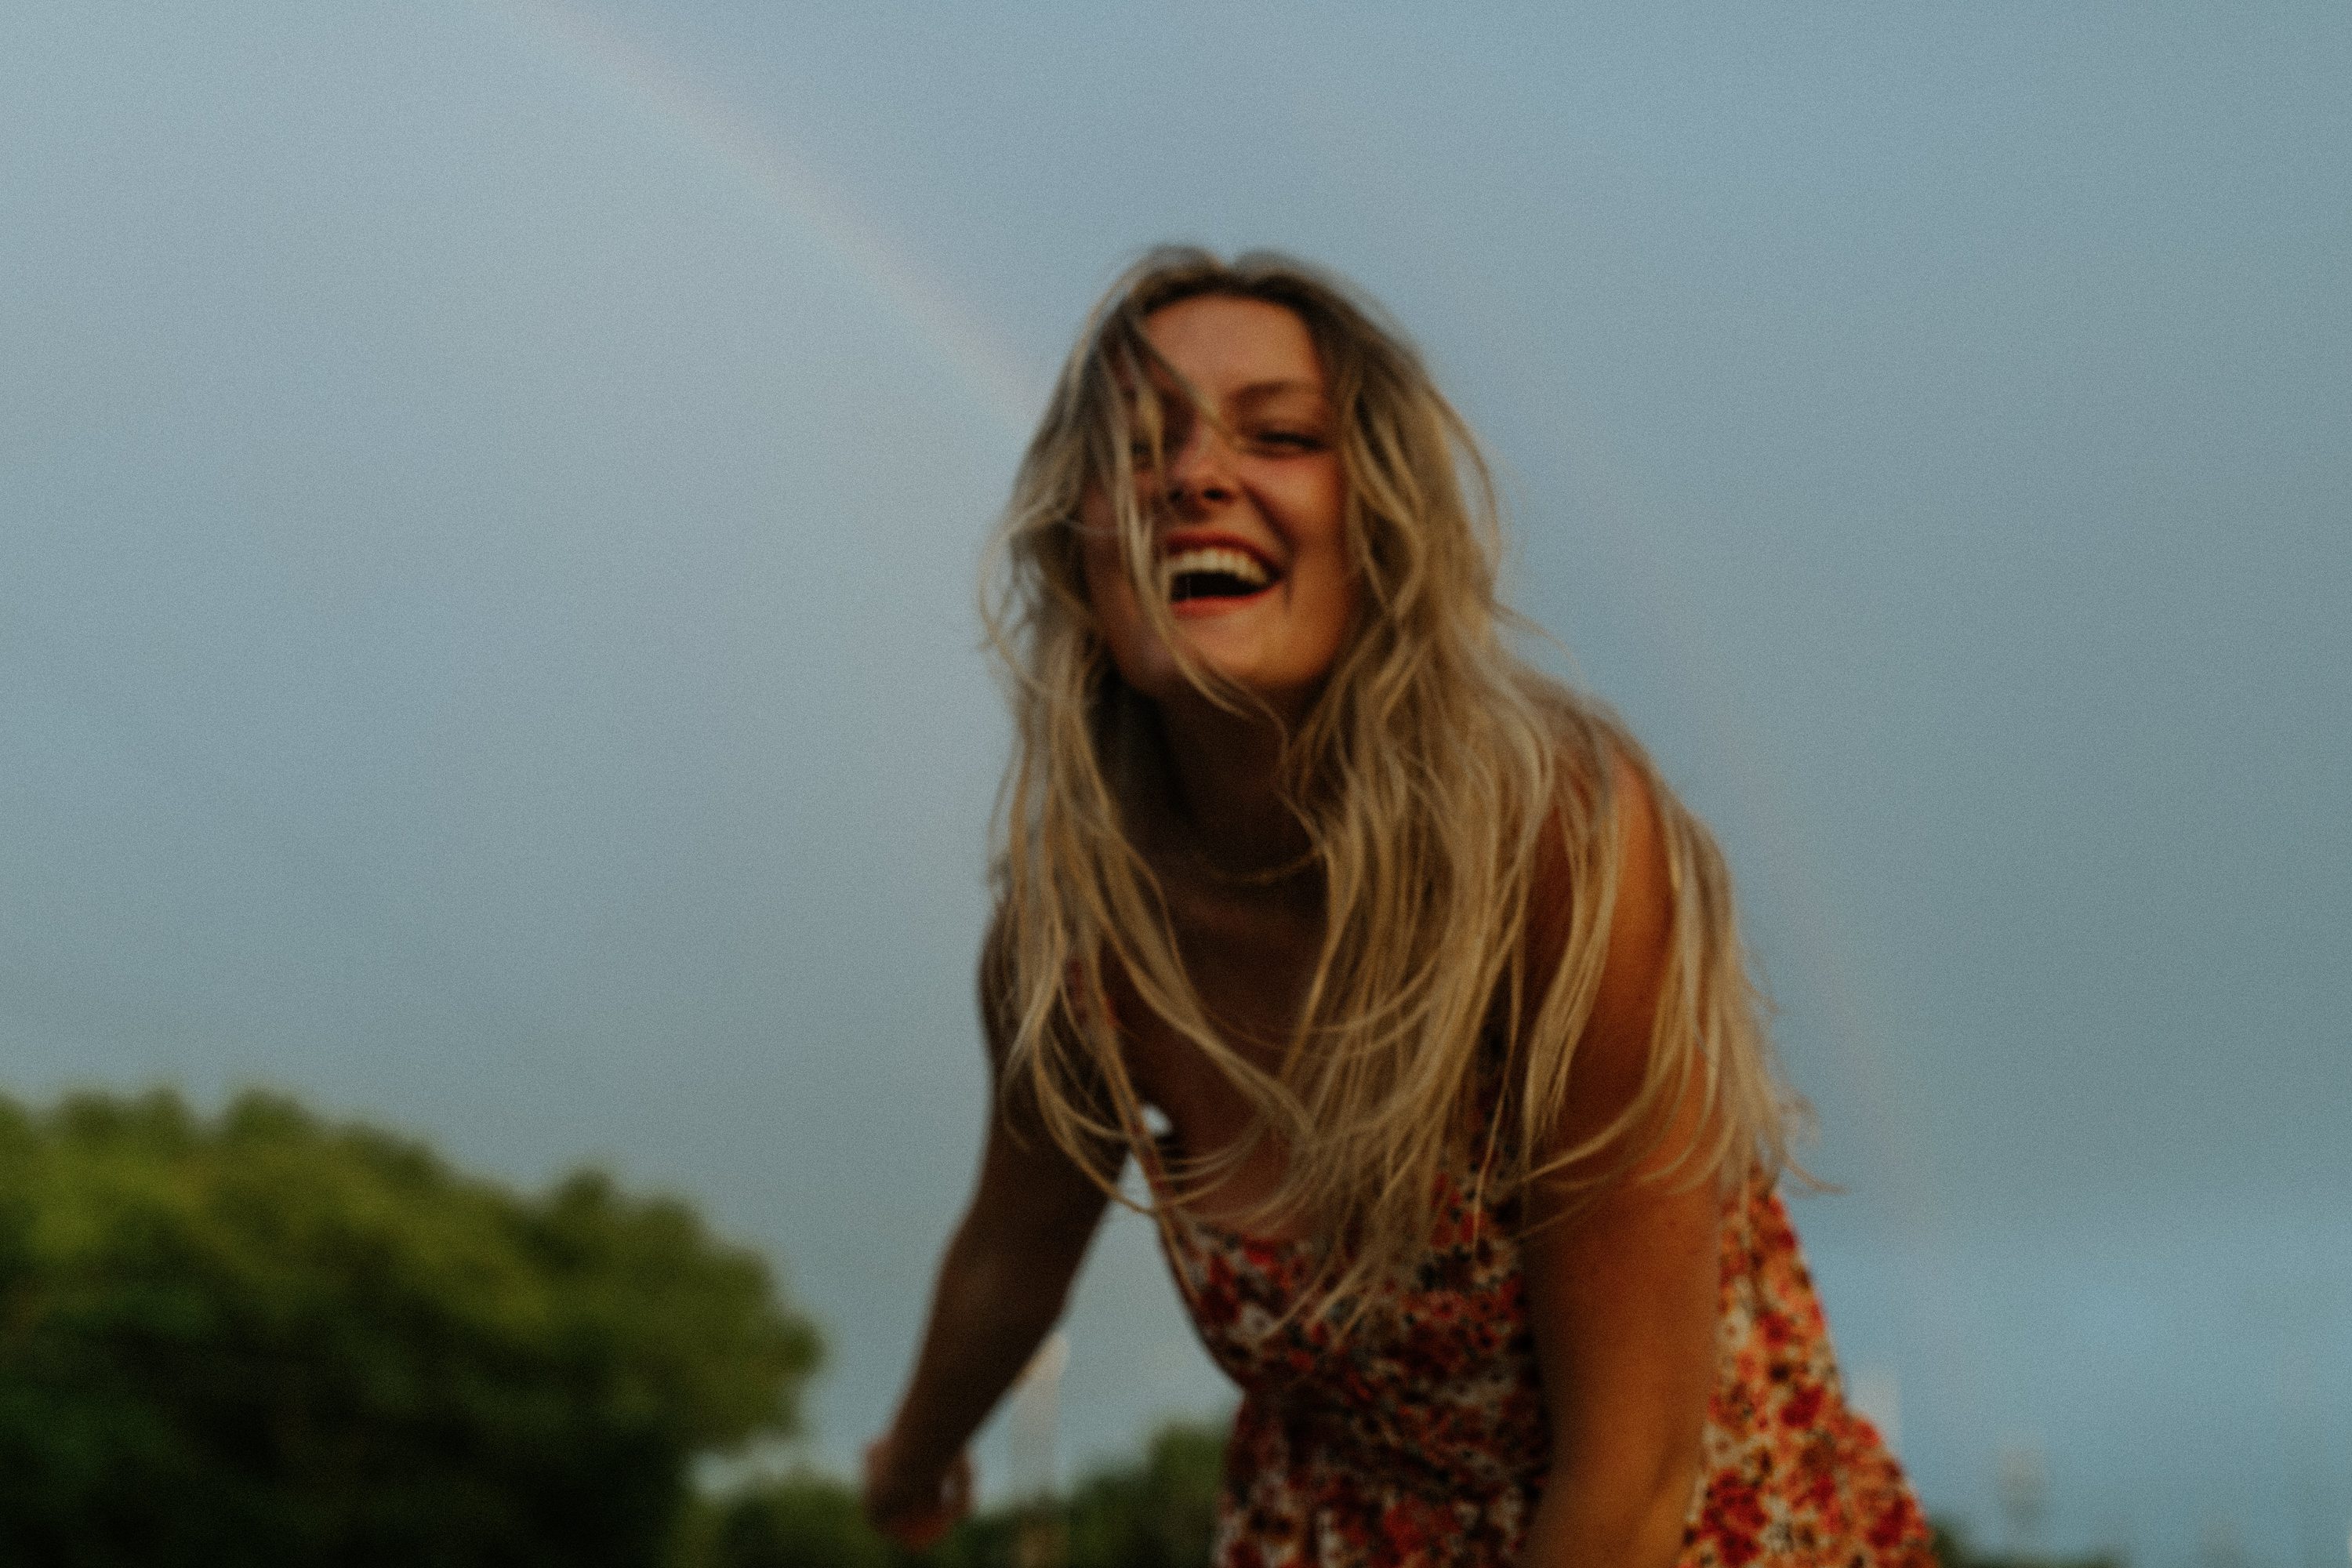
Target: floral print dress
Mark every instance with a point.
(1419, 1438)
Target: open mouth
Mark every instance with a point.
(1213, 572)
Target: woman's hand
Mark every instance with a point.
(914, 1512)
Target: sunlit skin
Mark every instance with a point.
(1621, 1298)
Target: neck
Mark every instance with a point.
(1224, 773)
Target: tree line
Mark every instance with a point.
(263, 1338)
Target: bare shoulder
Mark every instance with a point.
(1020, 1089)
(1612, 1056)
(993, 985)
(1632, 854)
(1641, 916)
(1013, 1097)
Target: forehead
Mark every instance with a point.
(1225, 346)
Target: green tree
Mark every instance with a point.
(800, 1520)
(805, 1519)
(264, 1338)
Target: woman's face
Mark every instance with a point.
(1247, 512)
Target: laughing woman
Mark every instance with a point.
(1413, 991)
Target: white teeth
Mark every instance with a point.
(1215, 558)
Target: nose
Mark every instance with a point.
(1200, 469)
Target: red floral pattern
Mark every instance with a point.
(1419, 1438)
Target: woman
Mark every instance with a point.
(1414, 992)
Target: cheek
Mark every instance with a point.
(1336, 591)
(1316, 515)
(1335, 619)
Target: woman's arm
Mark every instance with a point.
(1623, 1295)
(1002, 1286)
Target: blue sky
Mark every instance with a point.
(490, 496)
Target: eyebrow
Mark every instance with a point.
(1259, 391)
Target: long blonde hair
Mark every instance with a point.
(1433, 774)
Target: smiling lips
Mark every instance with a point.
(1202, 578)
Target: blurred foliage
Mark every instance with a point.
(1953, 1550)
(264, 1338)
(1155, 1512)
(800, 1522)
